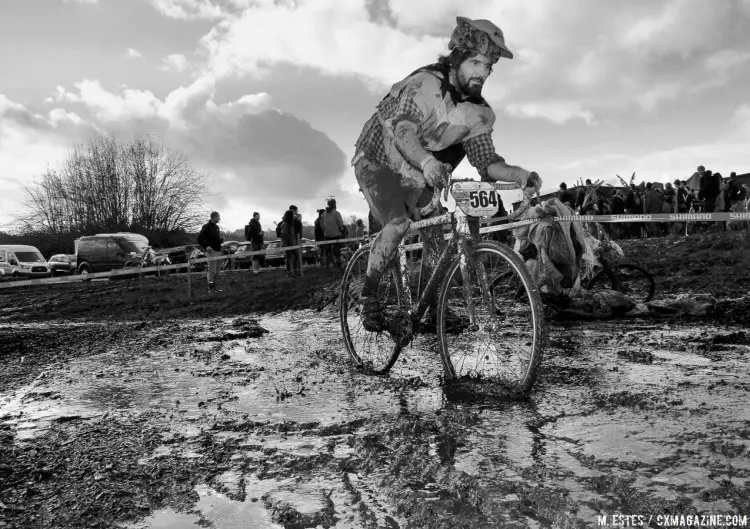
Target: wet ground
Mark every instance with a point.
(242, 415)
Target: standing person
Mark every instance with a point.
(256, 240)
(319, 236)
(434, 116)
(709, 190)
(618, 208)
(333, 229)
(291, 230)
(651, 204)
(565, 196)
(679, 204)
(209, 240)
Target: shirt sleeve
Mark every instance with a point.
(416, 98)
(480, 150)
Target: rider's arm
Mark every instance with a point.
(416, 100)
(408, 143)
(480, 150)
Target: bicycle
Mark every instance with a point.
(629, 279)
(488, 336)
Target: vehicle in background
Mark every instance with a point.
(310, 251)
(62, 263)
(242, 259)
(149, 258)
(108, 251)
(20, 260)
(197, 253)
(275, 256)
(230, 247)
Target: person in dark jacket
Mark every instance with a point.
(291, 231)
(709, 190)
(319, 235)
(565, 196)
(652, 202)
(255, 233)
(209, 240)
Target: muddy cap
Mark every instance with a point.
(481, 36)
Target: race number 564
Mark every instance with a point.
(482, 199)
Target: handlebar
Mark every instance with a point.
(434, 204)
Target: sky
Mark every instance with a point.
(267, 97)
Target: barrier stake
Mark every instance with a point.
(189, 275)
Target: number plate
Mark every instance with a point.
(477, 199)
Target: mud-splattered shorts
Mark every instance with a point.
(388, 194)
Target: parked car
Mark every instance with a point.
(63, 263)
(108, 251)
(20, 260)
(242, 259)
(310, 251)
(275, 256)
(230, 247)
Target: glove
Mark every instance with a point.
(534, 180)
(435, 172)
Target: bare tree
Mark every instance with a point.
(108, 186)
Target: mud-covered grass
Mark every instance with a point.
(630, 416)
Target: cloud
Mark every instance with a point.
(132, 53)
(252, 152)
(558, 112)
(176, 62)
(81, 1)
(188, 9)
(585, 60)
(108, 107)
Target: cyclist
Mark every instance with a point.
(433, 117)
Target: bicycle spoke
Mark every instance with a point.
(504, 345)
(374, 352)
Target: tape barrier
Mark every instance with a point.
(651, 217)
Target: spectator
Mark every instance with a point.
(254, 234)
(618, 208)
(209, 240)
(333, 229)
(652, 204)
(357, 232)
(680, 198)
(319, 236)
(709, 190)
(581, 192)
(588, 205)
(291, 231)
(565, 196)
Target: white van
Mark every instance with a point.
(22, 260)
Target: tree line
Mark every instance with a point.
(108, 186)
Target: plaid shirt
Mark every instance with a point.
(480, 149)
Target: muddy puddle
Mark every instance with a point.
(634, 417)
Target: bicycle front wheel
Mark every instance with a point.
(628, 279)
(372, 352)
(502, 347)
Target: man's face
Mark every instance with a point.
(472, 73)
(216, 219)
(256, 216)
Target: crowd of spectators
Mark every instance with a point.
(707, 192)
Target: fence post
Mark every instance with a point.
(299, 253)
(189, 274)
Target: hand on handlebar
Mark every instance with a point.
(436, 174)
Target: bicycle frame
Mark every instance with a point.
(459, 244)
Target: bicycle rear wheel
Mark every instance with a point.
(502, 347)
(372, 352)
(628, 279)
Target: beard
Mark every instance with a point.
(471, 86)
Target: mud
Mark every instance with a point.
(229, 413)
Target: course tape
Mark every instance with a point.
(652, 217)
